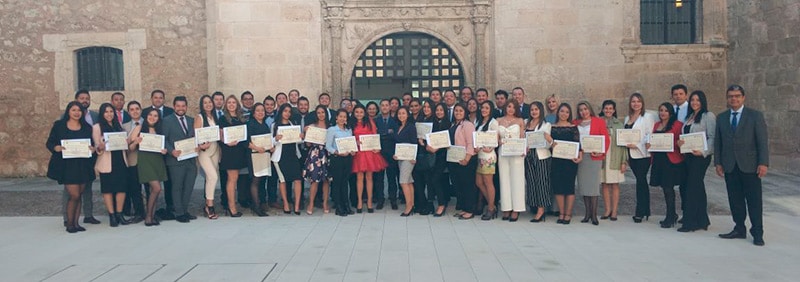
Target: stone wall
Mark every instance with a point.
(764, 58)
(174, 60)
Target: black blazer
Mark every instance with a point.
(525, 113)
(748, 147)
(167, 111)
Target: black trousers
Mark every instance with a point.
(744, 196)
(463, 178)
(391, 173)
(168, 195)
(695, 215)
(340, 170)
(440, 185)
(422, 183)
(133, 197)
(640, 168)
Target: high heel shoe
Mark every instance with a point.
(595, 221)
(606, 216)
(407, 214)
(585, 220)
(121, 219)
(462, 217)
(359, 210)
(489, 215)
(112, 220)
(440, 214)
(506, 217)
(231, 214)
(211, 213)
(258, 212)
(370, 210)
(668, 222)
(540, 219)
(514, 219)
(566, 221)
(637, 219)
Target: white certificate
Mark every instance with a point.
(234, 133)
(263, 140)
(370, 142)
(439, 139)
(484, 139)
(151, 143)
(536, 139)
(628, 136)
(262, 166)
(513, 147)
(423, 128)
(662, 142)
(315, 135)
(456, 154)
(116, 141)
(186, 146)
(593, 143)
(289, 134)
(405, 152)
(76, 148)
(206, 134)
(694, 141)
(566, 149)
(346, 145)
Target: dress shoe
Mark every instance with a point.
(136, 219)
(80, 228)
(394, 205)
(182, 218)
(112, 220)
(90, 220)
(190, 216)
(379, 206)
(733, 235)
(121, 219)
(758, 241)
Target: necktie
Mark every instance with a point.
(219, 114)
(119, 116)
(183, 126)
(734, 122)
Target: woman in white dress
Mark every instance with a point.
(511, 168)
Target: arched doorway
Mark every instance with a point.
(405, 62)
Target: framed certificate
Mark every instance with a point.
(593, 143)
(151, 143)
(405, 152)
(370, 142)
(116, 141)
(423, 128)
(662, 142)
(289, 134)
(439, 139)
(206, 134)
(535, 139)
(628, 136)
(693, 141)
(514, 147)
(76, 148)
(456, 154)
(346, 144)
(566, 149)
(263, 140)
(262, 166)
(234, 133)
(186, 146)
(484, 139)
(315, 135)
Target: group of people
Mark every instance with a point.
(485, 183)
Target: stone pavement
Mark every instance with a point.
(386, 247)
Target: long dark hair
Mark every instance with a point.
(516, 107)
(701, 96)
(481, 119)
(539, 106)
(409, 120)
(315, 119)
(104, 126)
(279, 119)
(421, 117)
(569, 119)
(146, 125)
(203, 112)
(673, 117)
(364, 120)
(466, 114)
(65, 117)
(444, 122)
(346, 114)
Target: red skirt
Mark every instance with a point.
(368, 162)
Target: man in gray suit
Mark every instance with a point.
(182, 173)
(742, 155)
(83, 97)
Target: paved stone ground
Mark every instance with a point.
(386, 247)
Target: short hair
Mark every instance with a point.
(437, 90)
(268, 98)
(518, 88)
(735, 87)
(606, 103)
(179, 99)
(281, 93)
(302, 98)
(157, 91)
(407, 94)
(217, 93)
(81, 91)
(134, 102)
(117, 93)
(241, 97)
(295, 90)
(395, 99)
(482, 90)
(323, 94)
(679, 86)
(501, 92)
(466, 87)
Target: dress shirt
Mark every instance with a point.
(333, 133)
(682, 110)
(738, 115)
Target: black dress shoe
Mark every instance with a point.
(190, 216)
(758, 241)
(394, 205)
(182, 218)
(136, 219)
(379, 206)
(90, 220)
(733, 235)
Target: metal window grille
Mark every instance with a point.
(668, 21)
(100, 69)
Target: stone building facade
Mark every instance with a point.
(575, 49)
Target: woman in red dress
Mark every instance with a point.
(365, 162)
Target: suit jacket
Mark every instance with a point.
(103, 163)
(172, 133)
(748, 147)
(125, 116)
(167, 111)
(525, 113)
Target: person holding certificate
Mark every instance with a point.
(588, 182)
(134, 203)
(209, 154)
(638, 156)
(256, 126)
(426, 160)
(406, 134)
(615, 163)
(73, 173)
(487, 162)
(695, 217)
(286, 160)
(340, 163)
(315, 169)
(537, 165)
(437, 180)
(462, 172)
(152, 170)
(510, 168)
(180, 141)
(564, 171)
(365, 162)
(112, 165)
(668, 167)
(233, 154)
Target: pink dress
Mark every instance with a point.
(367, 161)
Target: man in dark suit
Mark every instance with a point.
(741, 154)
(83, 97)
(134, 203)
(248, 100)
(302, 118)
(182, 173)
(449, 103)
(324, 99)
(465, 94)
(500, 100)
(118, 101)
(157, 100)
(386, 125)
(524, 109)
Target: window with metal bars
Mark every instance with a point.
(668, 21)
(100, 69)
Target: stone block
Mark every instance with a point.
(293, 12)
(234, 12)
(789, 45)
